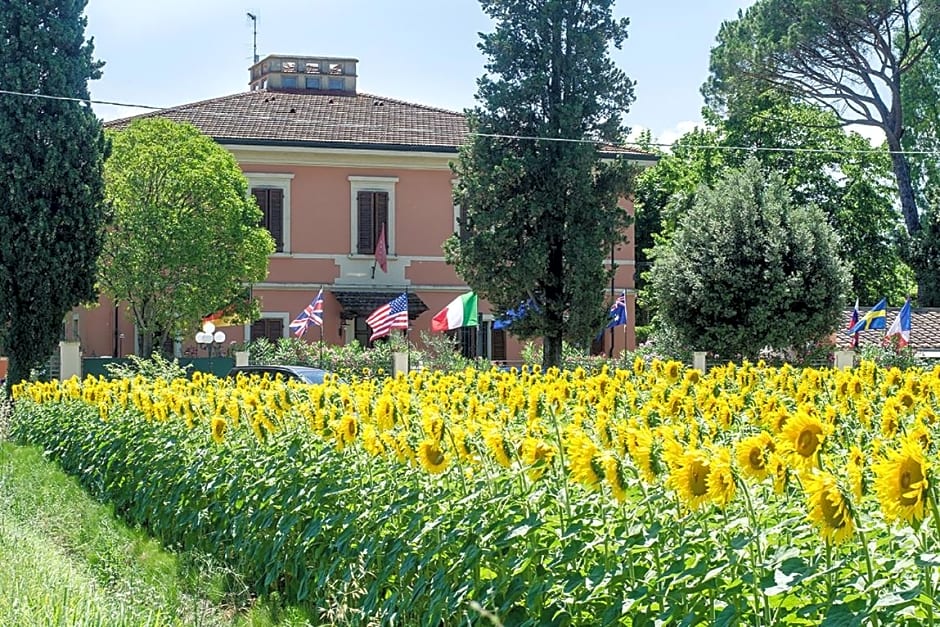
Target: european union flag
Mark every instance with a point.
(513, 315)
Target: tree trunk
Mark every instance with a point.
(902, 174)
(551, 352)
(146, 344)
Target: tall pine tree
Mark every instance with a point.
(540, 204)
(51, 157)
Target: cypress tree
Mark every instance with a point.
(51, 190)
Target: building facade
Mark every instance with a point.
(331, 169)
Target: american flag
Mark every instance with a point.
(312, 314)
(392, 315)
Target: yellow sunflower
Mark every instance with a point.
(537, 455)
(583, 458)
(829, 509)
(218, 429)
(901, 482)
(721, 486)
(689, 478)
(890, 421)
(431, 457)
(855, 468)
(613, 472)
(752, 454)
(802, 438)
(496, 443)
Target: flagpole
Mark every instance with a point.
(320, 365)
(407, 329)
(613, 273)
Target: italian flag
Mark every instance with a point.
(461, 312)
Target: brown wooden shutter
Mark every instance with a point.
(366, 237)
(271, 203)
(499, 345)
(381, 216)
(270, 328)
(275, 217)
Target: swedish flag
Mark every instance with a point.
(874, 319)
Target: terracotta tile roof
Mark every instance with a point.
(318, 118)
(925, 328)
(326, 119)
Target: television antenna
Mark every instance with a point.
(254, 29)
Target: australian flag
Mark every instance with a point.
(618, 311)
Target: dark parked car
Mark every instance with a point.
(302, 374)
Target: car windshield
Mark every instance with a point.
(310, 375)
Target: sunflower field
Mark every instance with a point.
(654, 495)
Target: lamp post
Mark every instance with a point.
(209, 337)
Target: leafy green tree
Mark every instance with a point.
(919, 91)
(747, 269)
(821, 163)
(839, 172)
(51, 157)
(847, 55)
(541, 215)
(186, 237)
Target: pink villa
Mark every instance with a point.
(329, 168)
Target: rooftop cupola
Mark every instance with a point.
(278, 72)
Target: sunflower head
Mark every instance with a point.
(829, 507)
(721, 485)
(431, 457)
(901, 482)
(218, 429)
(689, 478)
(753, 453)
(802, 438)
(614, 474)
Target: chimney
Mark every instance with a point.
(331, 75)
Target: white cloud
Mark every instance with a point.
(668, 136)
(873, 134)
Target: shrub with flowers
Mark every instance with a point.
(653, 494)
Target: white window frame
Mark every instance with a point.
(275, 180)
(371, 184)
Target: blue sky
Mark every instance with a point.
(174, 51)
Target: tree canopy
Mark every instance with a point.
(186, 239)
(539, 201)
(850, 56)
(51, 158)
(821, 164)
(747, 269)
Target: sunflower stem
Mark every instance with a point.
(868, 567)
(935, 514)
(561, 471)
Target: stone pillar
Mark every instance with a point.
(845, 359)
(241, 358)
(70, 361)
(399, 363)
(698, 361)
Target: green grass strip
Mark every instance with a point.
(68, 561)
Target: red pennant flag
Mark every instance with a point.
(381, 254)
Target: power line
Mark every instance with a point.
(82, 100)
(635, 145)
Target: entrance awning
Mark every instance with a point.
(362, 304)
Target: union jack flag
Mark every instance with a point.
(312, 314)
